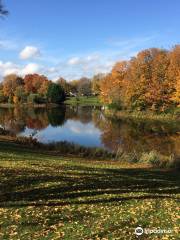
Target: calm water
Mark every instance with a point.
(89, 127)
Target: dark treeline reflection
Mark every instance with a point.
(139, 137)
(17, 119)
(114, 134)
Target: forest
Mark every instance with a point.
(149, 81)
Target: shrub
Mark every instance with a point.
(3, 99)
(36, 99)
(159, 160)
(151, 157)
(10, 99)
(115, 105)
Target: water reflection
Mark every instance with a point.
(89, 127)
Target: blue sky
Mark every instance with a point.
(74, 38)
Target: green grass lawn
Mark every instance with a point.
(83, 101)
(52, 197)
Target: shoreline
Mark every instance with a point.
(118, 114)
(48, 105)
(83, 101)
(142, 116)
(151, 159)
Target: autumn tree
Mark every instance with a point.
(160, 89)
(137, 79)
(44, 87)
(10, 83)
(35, 83)
(96, 81)
(84, 86)
(174, 74)
(19, 95)
(112, 85)
(176, 94)
(148, 81)
(105, 88)
(65, 85)
(29, 83)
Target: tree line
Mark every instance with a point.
(33, 88)
(149, 81)
(38, 89)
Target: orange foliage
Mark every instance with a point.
(10, 83)
(148, 81)
(112, 84)
(15, 99)
(176, 94)
(35, 83)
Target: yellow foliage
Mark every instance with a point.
(176, 95)
(15, 100)
(150, 80)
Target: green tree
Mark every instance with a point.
(55, 93)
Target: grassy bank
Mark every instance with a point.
(144, 116)
(51, 197)
(86, 101)
(151, 158)
(62, 148)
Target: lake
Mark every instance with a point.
(88, 126)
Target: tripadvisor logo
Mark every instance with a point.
(139, 231)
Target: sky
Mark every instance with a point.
(75, 38)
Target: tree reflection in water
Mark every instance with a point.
(129, 135)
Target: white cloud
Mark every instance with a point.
(29, 52)
(7, 68)
(92, 57)
(52, 70)
(81, 129)
(30, 68)
(83, 60)
(78, 65)
(87, 65)
(74, 61)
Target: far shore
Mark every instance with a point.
(83, 101)
(22, 105)
(143, 115)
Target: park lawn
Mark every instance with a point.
(85, 101)
(53, 197)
